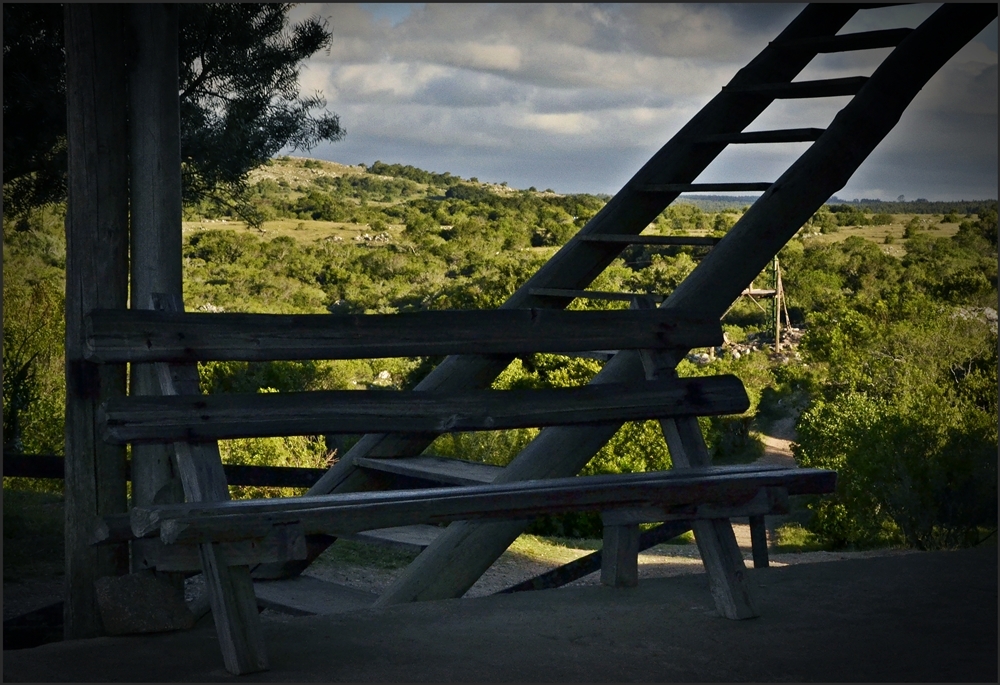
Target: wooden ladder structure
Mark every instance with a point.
(455, 559)
(227, 539)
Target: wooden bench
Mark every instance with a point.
(224, 538)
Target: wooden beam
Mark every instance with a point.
(703, 241)
(822, 88)
(594, 295)
(440, 469)
(678, 494)
(281, 544)
(864, 40)
(96, 276)
(199, 467)
(790, 135)
(620, 555)
(705, 187)
(144, 336)
(827, 165)
(155, 197)
(145, 521)
(219, 417)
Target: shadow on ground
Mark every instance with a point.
(915, 617)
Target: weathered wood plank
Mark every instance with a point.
(591, 294)
(144, 521)
(138, 336)
(822, 88)
(217, 417)
(440, 469)
(192, 523)
(620, 555)
(96, 276)
(155, 211)
(413, 538)
(704, 241)
(230, 588)
(282, 544)
(758, 541)
(705, 187)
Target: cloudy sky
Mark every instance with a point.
(577, 97)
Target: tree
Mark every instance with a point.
(239, 100)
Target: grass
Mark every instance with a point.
(878, 234)
(301, 231)
(792, 537)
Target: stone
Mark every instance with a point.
(141, 603)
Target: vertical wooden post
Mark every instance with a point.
(776, 306)
(96, 276)
(620, 555)
(155, 188)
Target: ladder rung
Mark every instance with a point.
(650, 239)
(805, 89)
(866, 40)
(413, 538)
(703, 187)
(432, 468)
(789, 135)
(593, 294)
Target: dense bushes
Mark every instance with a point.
(903, 367)
(900, 365)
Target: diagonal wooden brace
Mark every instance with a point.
(230, 588)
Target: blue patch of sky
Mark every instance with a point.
(395, 12)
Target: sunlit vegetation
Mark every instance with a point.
(896, 375)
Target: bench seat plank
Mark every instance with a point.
(146, 336)
(680, 495)
(218, 417)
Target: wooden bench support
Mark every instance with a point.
(723, 561)
(716, 540)
(230, 588)
(234, 609)
(758, 541)
(620, 555)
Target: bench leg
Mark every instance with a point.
(234, 608)
(620, 556)
(758, 541)
(727, 575)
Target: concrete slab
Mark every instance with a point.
(915, 617)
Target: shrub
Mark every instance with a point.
(927, 478)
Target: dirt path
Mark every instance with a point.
(778, 443)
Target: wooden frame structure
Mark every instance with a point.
(124, 162)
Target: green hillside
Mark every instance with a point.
(893, 365)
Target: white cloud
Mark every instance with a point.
(570, 123)
(555, 84)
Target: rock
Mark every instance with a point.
(141, 603)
